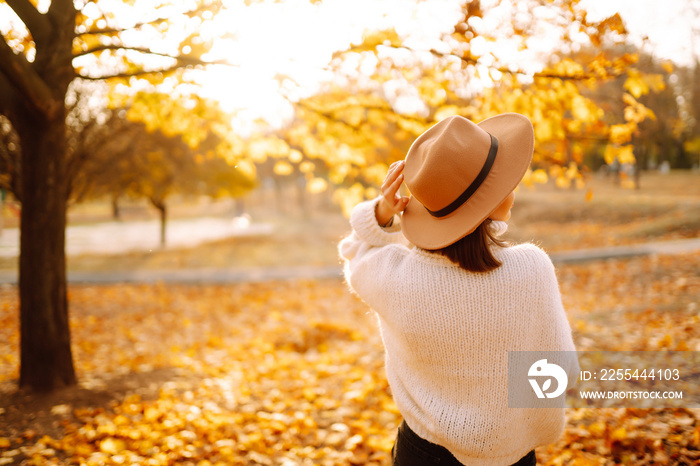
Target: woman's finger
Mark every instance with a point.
(390, 194)
(387, 186)
(391, 176)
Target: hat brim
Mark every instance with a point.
(516, 142)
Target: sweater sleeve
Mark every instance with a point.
(370, 252)
(366, 232)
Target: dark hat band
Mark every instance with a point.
(471, 189)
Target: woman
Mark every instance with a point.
(453, 300)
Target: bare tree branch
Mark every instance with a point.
(27, 82)
(473, 61)
(612, 73)
(327, 115)
(132, 74)
(100, 48)
(110, 30)
(38, 24)
(183, 62)
(184, 59)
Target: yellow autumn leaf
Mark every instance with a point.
(682, 346)
(317, 185)
(582, 110)
(446, 111)
(563, 182)
(572, 171)
(628, 99)
(295, 156)
(666, 341)
(539, 176)
(372, 39)
(610, 154)
(555, 171)
(283, 168)
(348, 198)
(371, 192)
(568, 67)
(625, 154)
(597, 428)
(635, 83)
(112, 446)
(544, 131)
(618, 434)
(620, 134)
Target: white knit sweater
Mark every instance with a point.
(447, 333)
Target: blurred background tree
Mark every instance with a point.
(387, 90)
(38, 65)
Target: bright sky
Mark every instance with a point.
(671, 26)
(296, 38)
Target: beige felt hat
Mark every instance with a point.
(458, 173)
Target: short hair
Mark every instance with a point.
(474, 252)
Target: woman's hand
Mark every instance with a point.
(391, 203)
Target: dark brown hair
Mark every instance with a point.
(474, 251)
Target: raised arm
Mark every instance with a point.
(391, 203)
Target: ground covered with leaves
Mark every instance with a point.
(287, 373)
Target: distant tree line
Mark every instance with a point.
(112, 157)
(671, 135)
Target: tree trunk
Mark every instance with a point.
(302, 197)
(640, 161)
(46, 359)
(682, 159)
(116, 213)
(279, 195)
(37, 111)
(240, 207)
(2, 210)
(163, 220)
(163, 211)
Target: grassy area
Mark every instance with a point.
(602, 214)
(666, 207)
(295, 241)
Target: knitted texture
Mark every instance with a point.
(447, 333)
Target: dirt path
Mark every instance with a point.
(120, 237)
(264, 274)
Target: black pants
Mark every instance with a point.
(412, 450)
